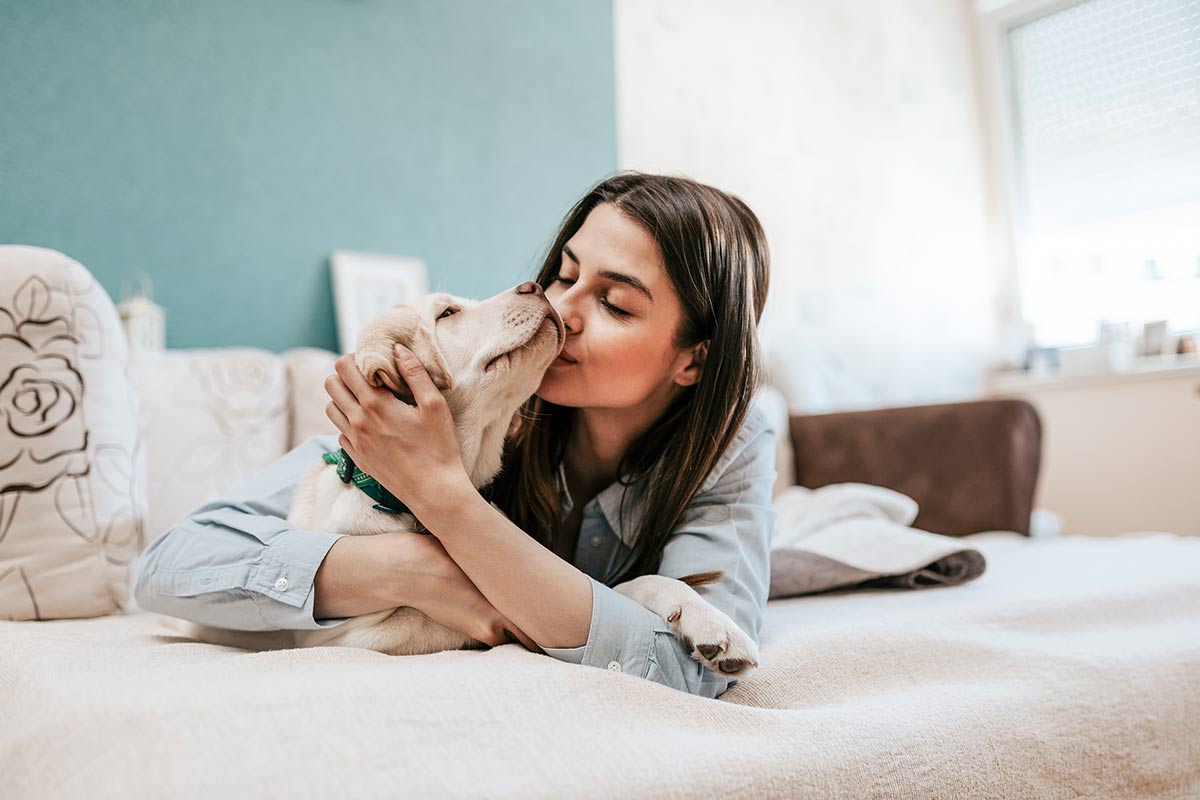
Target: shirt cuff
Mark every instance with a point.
(619, 637)
(627, 637)
(283, 581)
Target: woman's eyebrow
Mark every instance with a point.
(618, 277)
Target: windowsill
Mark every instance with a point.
(1143, 369)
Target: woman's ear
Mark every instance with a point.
(693, 367)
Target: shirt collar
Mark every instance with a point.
(609, 500)
(611, 497)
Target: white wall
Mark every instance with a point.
(851, 127)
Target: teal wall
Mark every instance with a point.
(227, 147)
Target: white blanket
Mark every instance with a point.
(1071, 668)
(853, 534)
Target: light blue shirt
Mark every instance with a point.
(238, 563)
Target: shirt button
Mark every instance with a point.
(595, 541)
(281, 585)
(615, 666)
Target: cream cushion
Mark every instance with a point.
(72, 466)
(211, 418)
(307, 369)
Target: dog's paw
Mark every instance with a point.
(713, 639)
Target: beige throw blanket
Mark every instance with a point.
(1070, 669)
(853, 534)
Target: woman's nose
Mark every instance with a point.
(530, 287)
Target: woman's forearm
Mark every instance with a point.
(547, 597)
(362, 574)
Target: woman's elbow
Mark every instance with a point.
(141, 593)
(146, 566)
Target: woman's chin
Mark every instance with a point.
(552, 390)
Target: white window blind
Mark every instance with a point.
(1106, 98)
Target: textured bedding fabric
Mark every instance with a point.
(1071, 668)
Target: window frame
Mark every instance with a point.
(993, 19)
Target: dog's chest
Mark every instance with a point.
(344, 508)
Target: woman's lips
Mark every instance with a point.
(563, 359)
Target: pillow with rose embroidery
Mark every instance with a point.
(72, 470)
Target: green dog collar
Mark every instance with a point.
(384, 500)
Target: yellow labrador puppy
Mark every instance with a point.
(487, 357)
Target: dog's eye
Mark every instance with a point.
(448, 312)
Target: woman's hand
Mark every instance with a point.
(434, 584)
(411, 449)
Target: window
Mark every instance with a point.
(1105, 110)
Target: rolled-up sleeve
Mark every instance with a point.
(237, 562)
(727, 527)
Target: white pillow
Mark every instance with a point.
(307, 368)
(211, 417)
(72, 466)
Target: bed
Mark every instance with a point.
(1071, 668)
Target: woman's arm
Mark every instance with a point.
(413, 451)
(364, 574)
(431, 582)
(548, 598)
(237, 562)
(574, 617)
(727, 527)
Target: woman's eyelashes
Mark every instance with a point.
(617, 312)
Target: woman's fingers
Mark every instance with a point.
(416, 376)
(349, 448)
(337, 417)
(448, 596)
(501, 632)
(336, 388)
(355, 384)
(516, 635)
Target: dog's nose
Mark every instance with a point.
(530, 287)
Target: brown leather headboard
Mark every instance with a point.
(971, 466)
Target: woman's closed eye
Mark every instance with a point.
(618, 312)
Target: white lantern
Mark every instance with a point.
(144, 321)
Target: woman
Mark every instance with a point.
(641, 452)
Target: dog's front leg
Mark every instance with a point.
(713, 638)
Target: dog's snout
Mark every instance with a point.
(530, 287)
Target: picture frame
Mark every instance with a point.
(1155, 337)
(367, 284)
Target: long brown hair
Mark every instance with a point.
(716, 257)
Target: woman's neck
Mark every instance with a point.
(596, 443)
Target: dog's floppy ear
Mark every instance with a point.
(375, 354)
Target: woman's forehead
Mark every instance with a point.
(609, 240)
